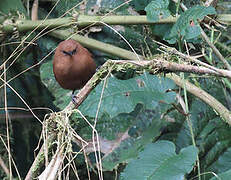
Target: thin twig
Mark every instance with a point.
(4, 167)
(34, 10)
(215, 50)
(223, 72)
(38, 160)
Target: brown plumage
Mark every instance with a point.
(73, 65)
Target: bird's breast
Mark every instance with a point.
(72, 71)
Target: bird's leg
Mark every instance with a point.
(73, 98)
(97, 69)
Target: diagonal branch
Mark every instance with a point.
(153, 67)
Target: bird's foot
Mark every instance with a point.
(74, 99)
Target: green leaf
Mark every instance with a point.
(223, 162)
(7, 6)
(121, 96)
(140, 5)
(159, 161)
(192, 32)
(65, 5)
(104, 6)
(187, 25)
(198, 119)
(62, 96)
(142, 129)
(161, 30)
(157, 9)
(212, 136)
(222, 176)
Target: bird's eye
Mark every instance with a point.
(74, 51)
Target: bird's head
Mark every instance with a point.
(69, 47)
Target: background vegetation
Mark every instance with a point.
(159, 106)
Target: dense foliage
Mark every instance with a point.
(148, 127)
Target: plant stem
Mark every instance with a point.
(224, 18)
(120, 20)
(190, 125)
(204, 96)
(22, 25)
(97, 45)
(83, 20)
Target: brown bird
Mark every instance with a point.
(73, 65)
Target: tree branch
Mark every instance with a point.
(155, 66)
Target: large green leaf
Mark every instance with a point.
(121, 96)
(187, 25)
(62, 96)
(140, 5)
(222, 176)
(65, 5)
(161, 30)
(7, 6)
(212, 137)
(223, 162)
(104, 6)
(157, 9)
(142, 129)
(199, 118)
(159, 161)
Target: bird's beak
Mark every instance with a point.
(69, 53)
